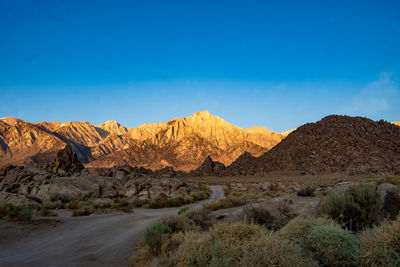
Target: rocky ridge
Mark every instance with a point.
(343, 144)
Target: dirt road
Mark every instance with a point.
(96, 240)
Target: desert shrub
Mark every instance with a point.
(381, 245)
(391, 204)
(73, 205)
(175, 202)
(5, 209)
(83, 211)
(199, 217)
(306, 192)
(271, 250)
(183, 210)
(356, 210)
(163, 202)
(200, 195)
(179, 223)
(64, 198)
(154, 235)
(300, 226)
(259, 215)
(221, 246)
(57, 204)
(20, 213)
(138, 202)
(45, 212)
(332, 246)
(122, 205)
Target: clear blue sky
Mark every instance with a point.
(276, 64)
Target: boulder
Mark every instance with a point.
(16, 199)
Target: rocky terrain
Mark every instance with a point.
(182, 143)
(66, 179)
(343, 144)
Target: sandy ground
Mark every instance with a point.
(95, 240)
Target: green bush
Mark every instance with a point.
(381, 245)
(20, 213)
(83, 211)
(332, 246)
(154, 234)
(221, 246)
(271, 250)
(297, 228)
(357, 209)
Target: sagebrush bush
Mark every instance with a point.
(179, 223)
(199, 217)
(221, 246)
(58, 204)
(271, 250)
(300, 226)
(64, 198)
(381, 245)
(332, 246)
(357, 209)
(20, 213)
(73, 205)
(83, 211)
(122, 205)
(162, 202)
(45, 212)
(258, 214)
(154, 235)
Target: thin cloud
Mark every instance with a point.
(376, 98)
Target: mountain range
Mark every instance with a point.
(182, 143)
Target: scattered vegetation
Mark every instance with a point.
(357, 209)
(16, 213)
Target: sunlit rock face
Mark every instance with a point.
(182, 143)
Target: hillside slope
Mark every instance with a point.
(352, 145)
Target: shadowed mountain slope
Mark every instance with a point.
(352, 145)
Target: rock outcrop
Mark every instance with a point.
(66, 163)
(209, 168)
(336, 144)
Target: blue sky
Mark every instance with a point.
(276, 64)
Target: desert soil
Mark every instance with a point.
(95, 240)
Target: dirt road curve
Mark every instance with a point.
(96, 240)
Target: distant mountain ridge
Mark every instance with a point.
(182, 143)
